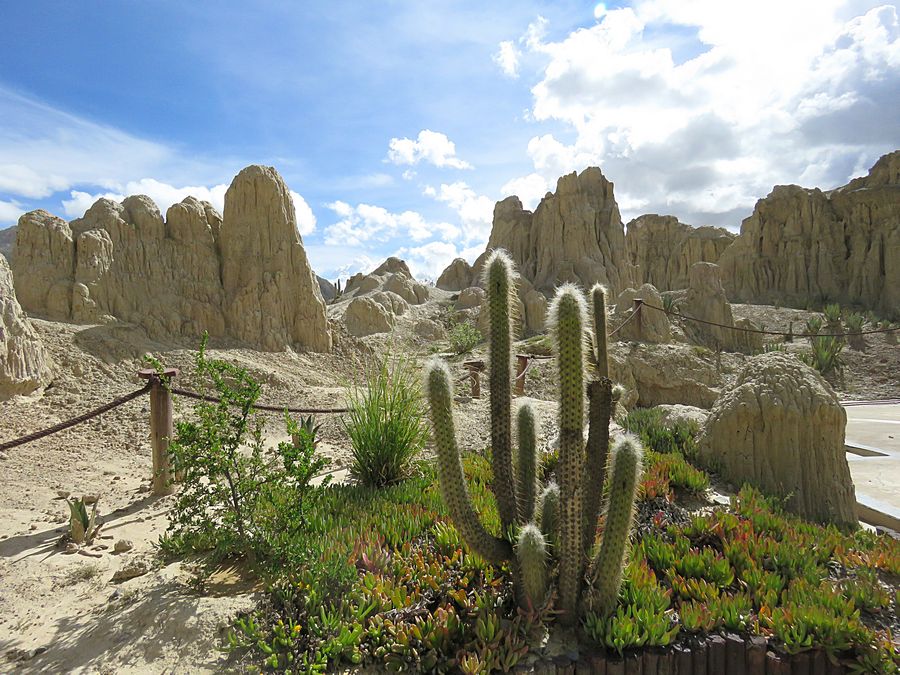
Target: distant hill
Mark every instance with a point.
(7, 239)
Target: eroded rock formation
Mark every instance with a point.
(664, 249)
(781, 428)
(575, 234)
(653, 326)
(23, 364)
(244, 276)
(805, 246)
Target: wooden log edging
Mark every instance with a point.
(725, 654)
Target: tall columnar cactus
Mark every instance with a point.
(559, 524)
(500, 281)
(567, 323)
(599, 413)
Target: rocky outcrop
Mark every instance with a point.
(805, 246)
(470, 298)
(365, 316)
(705, 300)
(664, 374)
(280, 296)
(575, 234)
(7, 240)
(23, 364)
(781, 428)
(653, 325)
(392, 275)
(244, 276)
(326, 288)
(457, 276)
(664, 249)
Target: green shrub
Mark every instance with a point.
(855, 322)
(237, 497)
(813, 325)
(679, 437)
(832, 313)
(386, 422)
(825, 354)
(464, 336)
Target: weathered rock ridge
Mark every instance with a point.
(805, 246)
(23, 365)
(243, 276)
(663, 249)
(576, 234)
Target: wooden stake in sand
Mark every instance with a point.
(162, 427)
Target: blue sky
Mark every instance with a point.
(399, 124)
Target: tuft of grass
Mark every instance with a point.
(81, 573)
(386, 423)
(832, 313)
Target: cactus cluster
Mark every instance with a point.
(547, 530)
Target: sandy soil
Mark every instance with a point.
(62, 613)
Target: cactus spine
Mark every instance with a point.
(527, 464)
(499, 279)
(567, 321)
(606, 572)
(450, 472)
(599, 413)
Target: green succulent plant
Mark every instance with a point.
(556, 528)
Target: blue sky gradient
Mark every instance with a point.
(101, 98)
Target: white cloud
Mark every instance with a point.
(426, 262)
(432, 147)
(44, 150)
(529, 189)
(10, 212)
(683, 109)
(475, 212)
(507, 57)
(366, 223)
(164, 195)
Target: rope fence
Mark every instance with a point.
(672, 312)
(259, 406)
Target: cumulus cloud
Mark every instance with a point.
(367, 223)
(431, 147)
(681, 107)
(475, 211)
(426, 262)
(10, 212)
(507, 57)
(529, 189)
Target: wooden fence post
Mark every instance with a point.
(521, 367)
(162, 427)
(638, 306)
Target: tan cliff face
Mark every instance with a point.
(244, 276)
(663, 249)
(805, 246)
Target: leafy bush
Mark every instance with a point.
(464, 336)
(813, 325)
(825, 354)
(855, 322)
(237, 497)
(386, 422)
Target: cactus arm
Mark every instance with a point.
(567, 320)
(598, 309)
(606, 572)
(548, 513)
(527, 464)
(599, 414)
(531, 552)
(500, 284)
(596, 456)
(450, 471)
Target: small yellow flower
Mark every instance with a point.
(297, 628)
